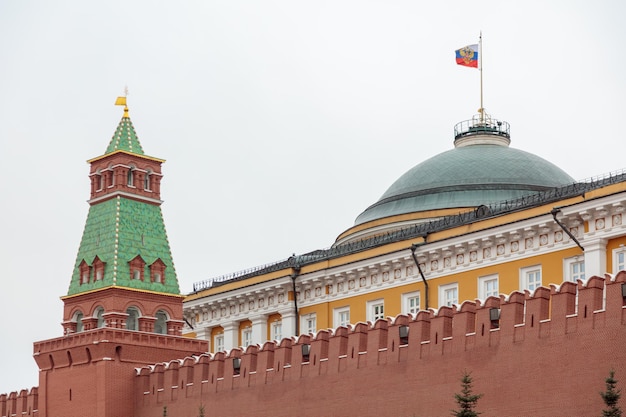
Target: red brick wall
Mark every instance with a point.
(546, 362)
(24, 403)
(92, 374)
(548, 357)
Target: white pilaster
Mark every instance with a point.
(288, 317)
(205, 333)
(595, 257)
(259, 329)
(231, 335)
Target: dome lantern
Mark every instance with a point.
(482, 130)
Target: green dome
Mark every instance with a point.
(467, 176)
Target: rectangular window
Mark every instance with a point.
(375, 310)
(277, 331)
(619, 260)
(308, 324)
(488, 286)
(411, 303)
(218, 342)
(246, 337)
(530, 278)
(574, 269)
(341, 316)
(448, 294)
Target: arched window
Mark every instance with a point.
(131, 176)
(100, 316)
(160, 325)
(98, 268)
(78, 317)
(157, 271)
(146, 181)
(85, 272)
(136, 266)
(132, 321)
(99, 180)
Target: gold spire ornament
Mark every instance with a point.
(121, 101)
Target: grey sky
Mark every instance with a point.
(280, 121)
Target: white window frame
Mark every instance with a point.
(444, 294)
(246, 336)
(375, 310)
(619, 254)
(308, 323)
(528, 278)
(277, 330)
(341, 316)
(484, 283)
(411, 303)
(571, 268)
(218, 342)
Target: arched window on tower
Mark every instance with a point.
(160, 325)
(157, 272)
(146, 180)
(78, 318)
(100, 316)
(98, 269)
(110, 176)
(130, 181)
(99, 181)
(132, 321)
(137, 266)
(85, 272)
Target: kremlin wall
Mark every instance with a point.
(547, 354)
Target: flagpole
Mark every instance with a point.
(480, 68)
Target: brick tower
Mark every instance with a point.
(123, 308)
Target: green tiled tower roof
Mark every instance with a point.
(124, 222)
(125, 138)
(116, 231)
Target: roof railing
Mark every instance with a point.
(484, 125)
(423, 229)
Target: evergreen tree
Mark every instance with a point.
(611, 397)
(466, 400)
(201, 410)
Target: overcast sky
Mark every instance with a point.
(280, 121)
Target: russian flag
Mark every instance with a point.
(467, 56)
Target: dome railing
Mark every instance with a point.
(423, 229)
(482, 125)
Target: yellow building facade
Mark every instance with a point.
(478, 221)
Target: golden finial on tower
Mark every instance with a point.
(121, 101)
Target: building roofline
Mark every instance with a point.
(423, 229)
